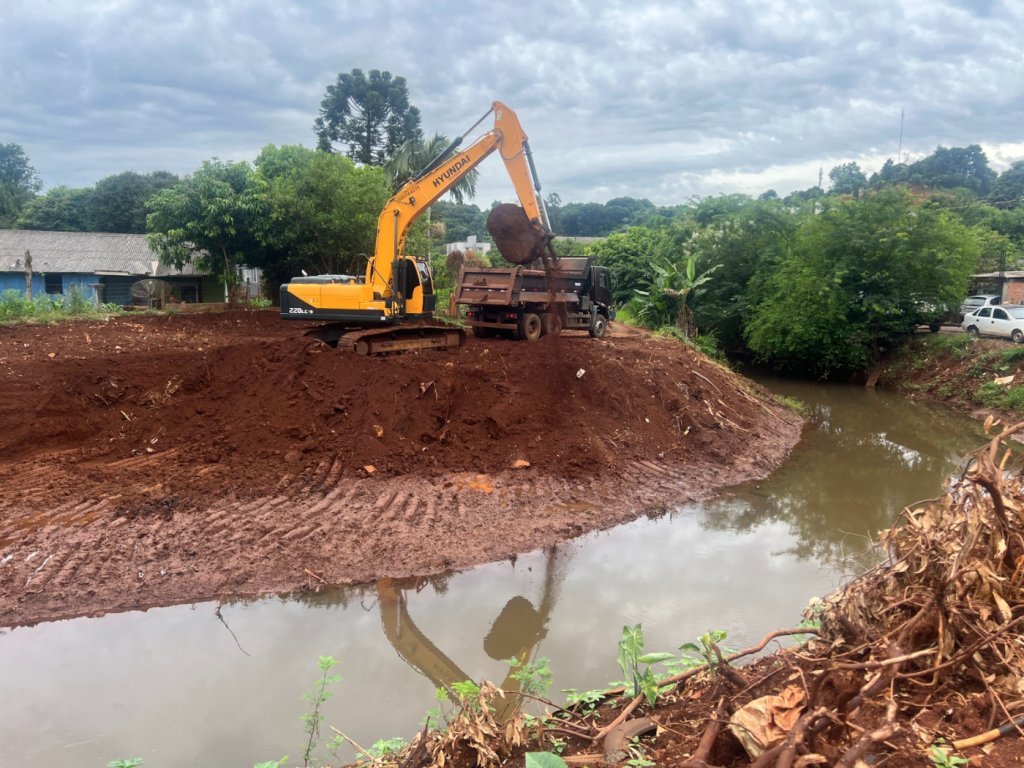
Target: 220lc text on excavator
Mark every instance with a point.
(391, 307)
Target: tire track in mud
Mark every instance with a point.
(89, 556)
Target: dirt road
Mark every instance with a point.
(156, 460)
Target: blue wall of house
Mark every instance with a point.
(116, 288)
(15, 281)
(12, 281)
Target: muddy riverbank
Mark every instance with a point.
(157, 460)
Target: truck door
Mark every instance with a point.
(602, 282)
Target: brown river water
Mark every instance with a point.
(221, 685)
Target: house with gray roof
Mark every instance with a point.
(99, 265)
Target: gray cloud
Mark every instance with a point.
(656, 100)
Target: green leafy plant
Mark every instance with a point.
(544, 760)
(432, 719)
(260, 302)
(942, 757)
(467, 689)
(383, 747)
(534, 677)
(586, 702)
(631, 656)
(129, 763)
(316, 698)
(704, 648)
(637, 754)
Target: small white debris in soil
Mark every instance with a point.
(378, 430)
(579, 373)
(29, 558)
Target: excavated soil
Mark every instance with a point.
(163, 459)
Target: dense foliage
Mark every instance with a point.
(319, 212)
(116, 204)
(211, 217)
(19, 181)
(854, 279)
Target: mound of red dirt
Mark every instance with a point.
(180, 418)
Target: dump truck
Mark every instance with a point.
(530, 300)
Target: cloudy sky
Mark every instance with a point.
(657, 100)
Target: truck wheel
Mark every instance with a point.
(482, 333)
(530, 327)
(598, 326)
(551, 324)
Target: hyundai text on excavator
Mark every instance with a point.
(390, 308)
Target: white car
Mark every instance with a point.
(977, 301)
(1006, 321)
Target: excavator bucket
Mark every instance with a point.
(518, 239)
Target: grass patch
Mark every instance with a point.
(792, 403)
(1006, 398)
(956, 345)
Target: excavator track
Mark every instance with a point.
(393, 339)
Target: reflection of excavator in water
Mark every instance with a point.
(516, 632)
(390, 308)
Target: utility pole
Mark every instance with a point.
(899, 152)
(820, 176)
(28, 274)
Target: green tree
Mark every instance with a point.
(321, 212)
(856, 277)
(742, 235)
(629, 256)
(19, 182)
(61, 209)
(847, 179)
(211, 217)
(417, 155)
(1008, 189)
(118, 203)
(369, 115)
(952, 167)
(460, 221)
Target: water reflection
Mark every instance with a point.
(864, 456)
(515, 633)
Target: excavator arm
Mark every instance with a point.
(506, 136)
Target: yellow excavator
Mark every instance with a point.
(391, 307)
